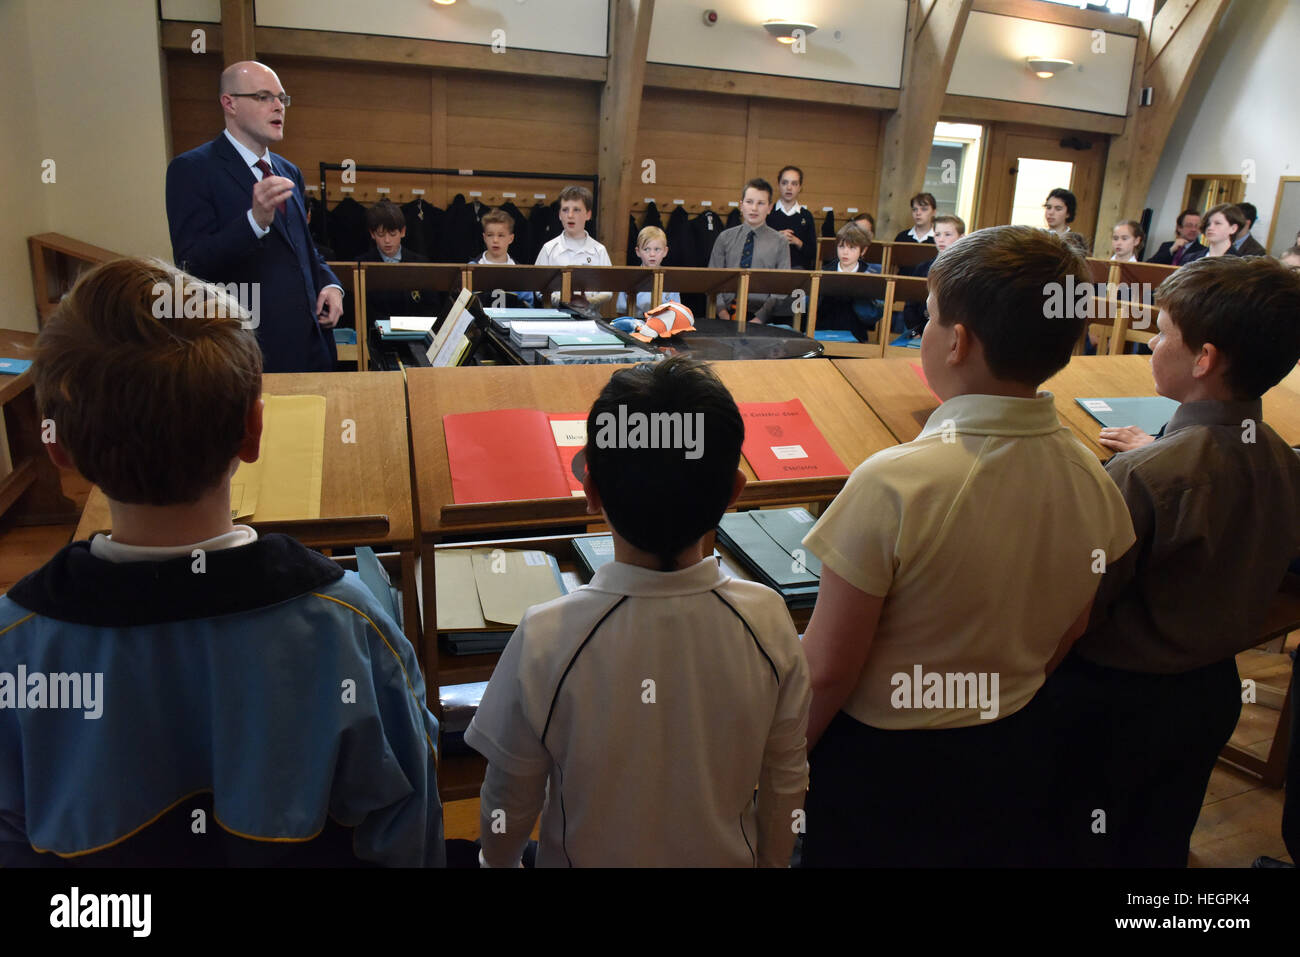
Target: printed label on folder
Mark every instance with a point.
(1095, 405)
(789, 452)
(783, 442)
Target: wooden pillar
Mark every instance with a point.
(620, 114)
(1169, 52)
(237, 31)
(934, 29)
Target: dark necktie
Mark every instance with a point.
(1182, 251)
(265, 167)
(747, 253)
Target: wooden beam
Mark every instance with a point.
(670, 77)
(405, 51)
(934, 29)
(966, 109)
(237, 31)
(1167, 58)
(1060, 13)
(620, 114)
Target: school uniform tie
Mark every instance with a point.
(265, 167)
(747, 253)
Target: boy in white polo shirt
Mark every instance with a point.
(645, 707)
(957, 570)
(574, 247)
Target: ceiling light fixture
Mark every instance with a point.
(444, 3)
(1045, 67)
(784, 30)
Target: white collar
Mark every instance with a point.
(921, 238)
(568, 243)
(250, 158)
(789, 212)
(103, 547)
(390, 259)
(484, 261)
(839, 267)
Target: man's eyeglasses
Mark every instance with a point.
(266, 96)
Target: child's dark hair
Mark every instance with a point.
(385, 215)
(1068, 198)
(760, 184)
(997, 282)
(1247, 308)
(661, 499)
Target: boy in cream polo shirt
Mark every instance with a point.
(643, 709)
(957, 570)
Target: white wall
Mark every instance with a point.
(98, 79)
(1240, 107)
(202, 11)
(558, 26)
(23, 199)
(991, 63)
(868, 49)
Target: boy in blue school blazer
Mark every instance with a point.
(185, 691)
(858, 316)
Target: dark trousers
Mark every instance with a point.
(1140, 750)
(960, 797)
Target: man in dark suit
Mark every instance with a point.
(1183, 248)
(236, 215)
(1245, 243)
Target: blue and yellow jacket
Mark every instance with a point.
(256, 708)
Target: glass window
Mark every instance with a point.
(1035, 179)
(954, 167)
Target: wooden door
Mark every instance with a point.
(1009, 143)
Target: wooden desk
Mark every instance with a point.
(626, 279)
(907, 255)
(33, 489)
(896, 394)
(538, 279)
(774, 282)
(893, 290)
(686, 279)
(851, 429)
(365, 485)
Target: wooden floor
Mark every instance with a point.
(1240, 819)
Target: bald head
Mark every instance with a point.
(248, 76)
(255, 122)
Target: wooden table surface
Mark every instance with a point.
(370, 477)
(895, 392)
(852, 430)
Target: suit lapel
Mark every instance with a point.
(242, 174)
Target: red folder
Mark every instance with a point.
(781, 442)
(508, 455)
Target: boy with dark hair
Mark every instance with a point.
(695, 676)
(239, 677)
(387, 226)
(924, 206)
(751, 245)
(956, 570)
(1216, 505)
(1058, 211)
(793, 221)
(1245, 243)
(858, 316)
(868, 224)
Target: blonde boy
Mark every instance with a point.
(651, 248)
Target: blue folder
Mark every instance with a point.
(1148, 413)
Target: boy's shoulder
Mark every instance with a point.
(1203, 453)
